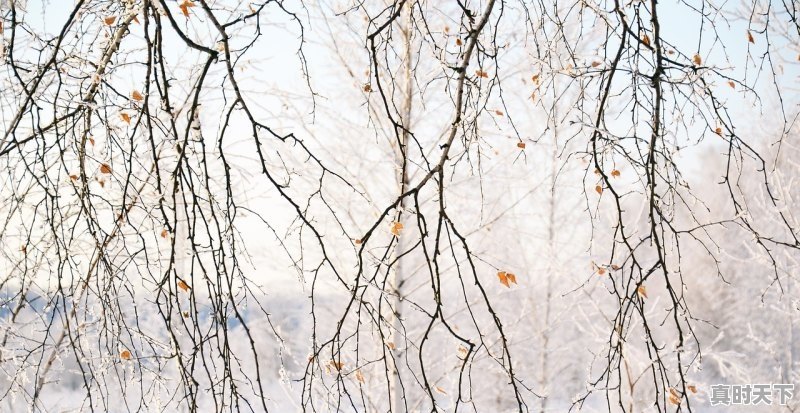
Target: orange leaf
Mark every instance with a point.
(535, 78)
(674, 400)
(498, 112)
(126, 118)
(481, 73)
(459, 42)
(731, 84)
(125, 355)
(642, 291)
(104, 168)
(718, 131)
(440, 390)
(358, 241)
(183, 286)
(673, 392)
(521, 145)
(137, 96)
(359, 376)
(598, 189)
(614, 267)
(503, 278)
(697, 60)
(390, 345)
(185, 7)
(692, 388)
(615, 173)
(646, 40)
(396, 228)
(109, 20)
(367, 88)
(164, 234)
(595, 64)
(750, 37)
(73, 177)
(511, 277)
(601, 271)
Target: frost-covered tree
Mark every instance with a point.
(494, 205)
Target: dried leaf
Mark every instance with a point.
(126, 118)
(750, 37)
(185, 314)
(183, 286)
(164, 233)
(73, 177)
(598, 189)
(601, 271)
(440, 390)
(731, 84)
(615, 267)
(338, 365)
(396, 228)
(459, 42)
(503, 278)
(390, 345)
(511, 277)
(642, 291)
(104, 168)
(367, 88)
(615, 173)
(109, 20)
(697, 60)
(674, 400)
(137, 96)
(91, 140)
(673, 392)
(358, 241)
(185, 7)
(481, 73)
(718, 131)
(535, 78)
(359, 376)
(596, 64)
(125, 355)
(692, 388)
(521, 145)
(499, 112)
(646, 40)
